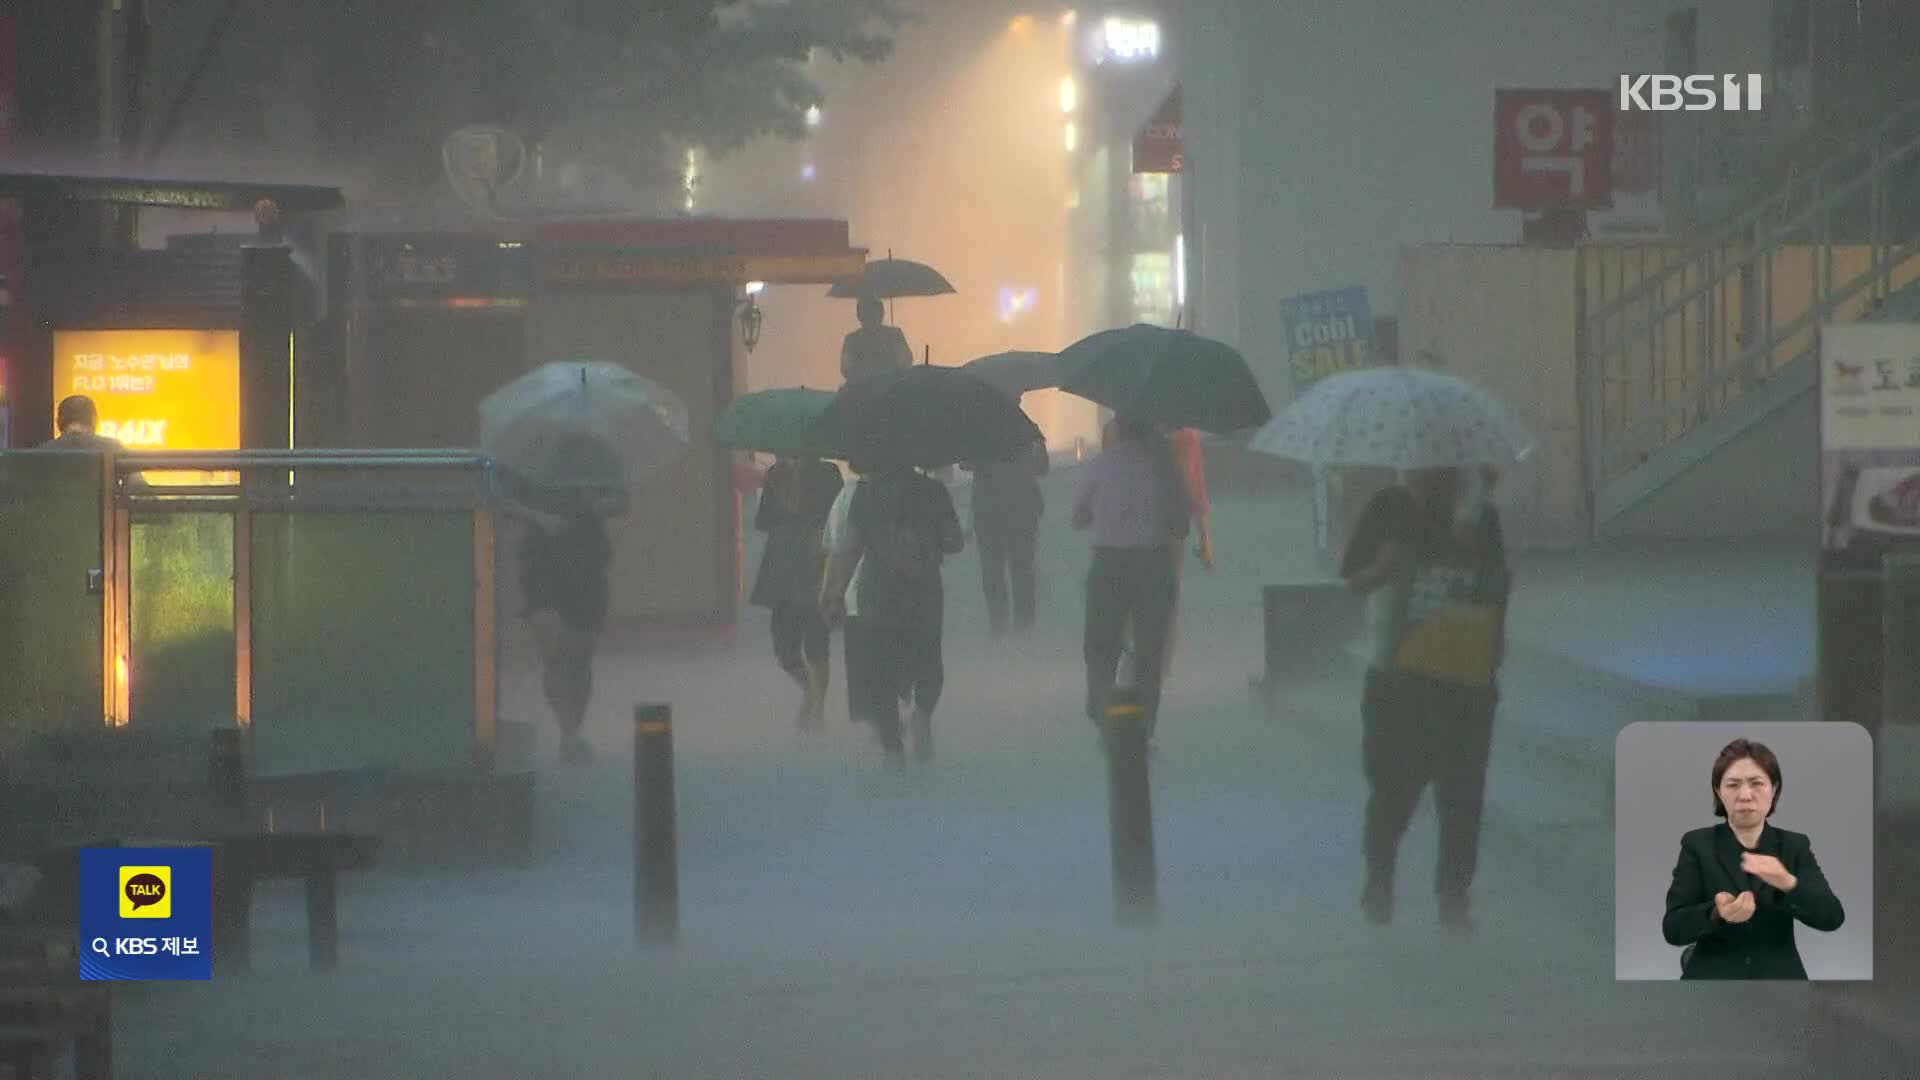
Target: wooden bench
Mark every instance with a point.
(46, 1012)
(240, 862)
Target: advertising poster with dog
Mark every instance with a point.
(1870, 437)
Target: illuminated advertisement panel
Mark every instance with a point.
(156, 389)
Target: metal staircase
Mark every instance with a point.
(1716, 337)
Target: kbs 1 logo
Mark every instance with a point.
(1693, 93)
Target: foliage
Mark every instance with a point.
(619, 82)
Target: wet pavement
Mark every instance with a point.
(957, 920)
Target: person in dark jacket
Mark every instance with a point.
(1739, 886)
(886, 538)
(78, 419)
(564, 560)
(1006, 510)
(1431, 573)
(875, 347)
(794, 502)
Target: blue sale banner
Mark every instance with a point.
(146, 913)
(1326, 332)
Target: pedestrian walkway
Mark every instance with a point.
(842, 922)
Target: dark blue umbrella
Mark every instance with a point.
(1018, 372)
(925, 417)
(1172, 377)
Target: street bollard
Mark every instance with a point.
(656, 874)
(227, 774)
(1130, 809)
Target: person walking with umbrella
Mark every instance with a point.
(1130, 498)
(572, 438)
(1428, 702)
(565, 555)
(888, 534)
(1006, 511)
(1429, 556)
(886, 538)
(874, 347)
(795, 498)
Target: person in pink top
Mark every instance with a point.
(1184, 443)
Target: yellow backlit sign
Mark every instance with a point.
(155, 389)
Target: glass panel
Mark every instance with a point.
(363, 640)
(50, 626)
(180, 609)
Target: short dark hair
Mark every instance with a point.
(870, 310)
(77, 409)
(1745, 750)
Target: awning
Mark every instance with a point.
(1157, 147)
(212, 195)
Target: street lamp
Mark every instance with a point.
(751, 317)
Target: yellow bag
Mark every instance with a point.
(1459, 645)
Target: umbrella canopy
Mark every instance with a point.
(583, 424)
(926, 417)
(888, 279)
(1173, 377)
(784, 422)
(1395, 418)
(1017, 373)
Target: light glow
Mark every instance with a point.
(1126, 40)
(1072, 137)
(1180, 270)
(1069, 95)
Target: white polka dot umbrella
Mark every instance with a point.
(1395, 418)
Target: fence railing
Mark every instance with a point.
(337, 606)
(1689, 336)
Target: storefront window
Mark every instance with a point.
(1150, 206)
(1152, 281)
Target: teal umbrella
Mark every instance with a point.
(783, 422)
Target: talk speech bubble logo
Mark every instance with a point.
(146, 892)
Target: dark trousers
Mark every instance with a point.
(1416, 731)
(1006, 559)
(800, 638)
(566, 673)
(886, 663)
(1128, 589)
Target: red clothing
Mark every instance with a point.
(1185, 444)
(747, 476)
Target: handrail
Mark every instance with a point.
(1735, 229)
(1684, 337)
(283, 460)
(1749, 258)
(1807, 321)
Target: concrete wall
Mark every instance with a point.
(1503, 318)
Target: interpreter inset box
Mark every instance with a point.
(1743, 851)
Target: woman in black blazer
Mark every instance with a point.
(1739, 886)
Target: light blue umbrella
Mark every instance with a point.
(583, 423)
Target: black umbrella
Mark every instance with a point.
(1018, 373)
(890, 278)
(1173, 377)
(925, 417)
